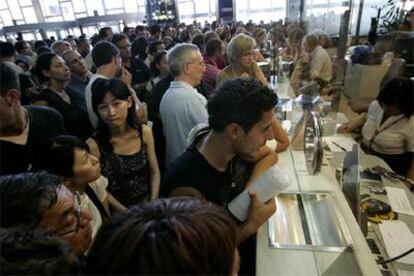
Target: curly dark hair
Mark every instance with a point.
(27, 252)
(43, 63)
(25, 197)
(152, 49)
(156, 60)
(140, 48)
(62, 148)
(400, 93)
(103, 52)
(175, 236)
(240, 101)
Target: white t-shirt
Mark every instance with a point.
(321, 64)
(99, 187)
(88, 99)
(396, 134)
(89, 61)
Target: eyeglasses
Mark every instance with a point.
(198, 63)
(77, 215)
(249, 54)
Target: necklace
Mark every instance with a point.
(233, 181)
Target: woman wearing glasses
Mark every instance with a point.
(241, 55)
(124, 147)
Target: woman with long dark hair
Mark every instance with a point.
(51, 70)
(124, 146)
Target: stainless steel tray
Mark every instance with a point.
(308, 221)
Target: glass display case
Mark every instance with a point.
(313, 222)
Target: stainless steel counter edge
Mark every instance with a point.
(270, 261)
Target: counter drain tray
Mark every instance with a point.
(308, 221)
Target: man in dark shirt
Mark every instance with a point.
(240, 119)
(79, 78)
(23, 130)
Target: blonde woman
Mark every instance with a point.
(242, 64)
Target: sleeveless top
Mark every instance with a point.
(129, 176)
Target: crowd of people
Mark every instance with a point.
(120, 153)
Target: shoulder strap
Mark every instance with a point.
(378, 131)
(112, 159)
(90, 192)
(141, 135)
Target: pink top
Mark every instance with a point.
(210, 75)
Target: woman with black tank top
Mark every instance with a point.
(124, 147)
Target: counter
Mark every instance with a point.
(271, 261)
(356, 259)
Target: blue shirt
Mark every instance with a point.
(181, 108)
(76, 88)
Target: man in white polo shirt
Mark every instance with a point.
(182, 107)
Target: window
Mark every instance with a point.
(3, 5)
(325, 15)
(24, 3)
(79, 6)
(15, 9)
(38, 35)
(200, 10)
(115, 11)
(55, 19)
(97, 5)
(21, 12)
(111, 4)
(63, 33)
(131, 5)
(266, 10)
(29, 15)
(51, 33)
(6, 18)
(67, 11)
(81, 15)
(368, 11)
(29, 36)
(50, 8)
(75, 31)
